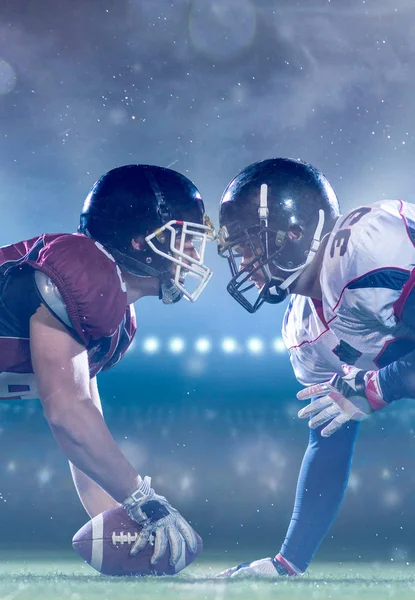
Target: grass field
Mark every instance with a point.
(54, 577)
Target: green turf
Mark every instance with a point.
(54, 577)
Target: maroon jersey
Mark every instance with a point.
(80, 283)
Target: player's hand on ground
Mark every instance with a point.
(161, 522)
(351, 397)
(265, 568)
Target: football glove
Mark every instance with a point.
(265, 568)
(159, 521)
(351, 397)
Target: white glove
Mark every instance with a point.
(351, 397)
(265, 568)
(159, 519)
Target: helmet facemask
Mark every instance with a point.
(269, 249)
(242, 286)
(190, 275)
(167, 245)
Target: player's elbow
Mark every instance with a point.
(64, 415)
(55, 416)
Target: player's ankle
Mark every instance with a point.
(288, 566)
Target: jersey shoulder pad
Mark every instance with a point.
(369, 247)
(86, 287)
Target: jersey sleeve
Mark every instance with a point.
(82, 286)
(369, 263)
(128, 332)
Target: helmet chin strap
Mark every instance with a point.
(274, 295)
(168, 292)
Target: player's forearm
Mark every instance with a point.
(94, 499)
(397, 380)
(82, 434)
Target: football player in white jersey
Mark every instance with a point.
(349, 326)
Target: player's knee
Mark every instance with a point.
(338, 447)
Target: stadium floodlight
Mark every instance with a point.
(43, 476)
(229, 345)
(279, 345)
(255, 345)
(203, 345)
(176, 345)
(151, 345)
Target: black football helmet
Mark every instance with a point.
(164, 209)
(276, 212)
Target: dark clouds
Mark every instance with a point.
(204, 86)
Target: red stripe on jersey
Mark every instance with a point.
(318, 305)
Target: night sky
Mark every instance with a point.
(204, 87)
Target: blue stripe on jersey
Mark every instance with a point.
(390, 278)
(411, 229)
(395, 350)
(397, 378)
(408, 311)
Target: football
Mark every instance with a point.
(106, 540)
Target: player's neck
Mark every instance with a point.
(138, 287)
(308, 283)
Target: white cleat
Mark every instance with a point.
(265, 568)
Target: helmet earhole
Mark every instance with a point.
(148, 260)
(295, 233)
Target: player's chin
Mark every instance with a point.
(258, 283)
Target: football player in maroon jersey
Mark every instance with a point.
(66, 313)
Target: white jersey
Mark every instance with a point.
(367, 262)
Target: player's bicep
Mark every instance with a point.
(60, 363)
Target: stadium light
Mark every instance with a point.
(176, 345)
(203, 345)
(279, 345)
(151, 345)
(255, 345)
(229, 345)
(44, 475)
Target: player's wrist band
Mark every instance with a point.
(142, 492)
